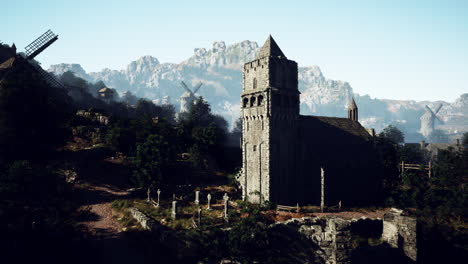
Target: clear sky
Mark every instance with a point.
(388, 49)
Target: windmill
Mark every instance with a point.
(187, 98)
(428, 120)
(38, 46)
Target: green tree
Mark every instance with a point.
(393, 134)
(465, 138)
(153, 161)
(129, 98)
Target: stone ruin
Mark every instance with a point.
(334, 239)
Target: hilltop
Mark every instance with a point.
(220, 70)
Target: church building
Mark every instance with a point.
(284, 152)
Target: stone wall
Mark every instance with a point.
(333, 237)
(399, 231)
(146, 222)
(270, 108)
(340, 241)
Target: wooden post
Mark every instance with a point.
(322, 189)
(159, 194)
(174, 210)
(402, 168)
(199, 216)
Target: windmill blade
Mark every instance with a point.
(40, 44)
(440, 120)
(430, 111)
(195, 90)
(186, 87)
(438, 109)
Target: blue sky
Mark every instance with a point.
(388, 49)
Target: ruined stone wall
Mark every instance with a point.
(332, 237)
(399, 231)
(339, 241)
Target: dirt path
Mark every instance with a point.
(106, 235)
(97, 199)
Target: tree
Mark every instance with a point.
(393, 134)
(129, 98)
(465, 138)
(153, 161)
(438, 136)
(145, 107)
(33, 115)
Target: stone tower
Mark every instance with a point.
(353, 110)
(270, 112)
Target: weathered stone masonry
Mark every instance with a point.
(284, 151)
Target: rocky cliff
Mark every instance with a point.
(220, 70)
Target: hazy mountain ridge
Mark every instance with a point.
(220, 70)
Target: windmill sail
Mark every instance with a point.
(40, 44)
(195, 90)
(186, 87)
(35, 48)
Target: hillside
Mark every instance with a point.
(220, 70)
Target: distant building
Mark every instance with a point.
(434, 148)
(283, 151)
(106, 93)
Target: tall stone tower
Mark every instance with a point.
(270, 112)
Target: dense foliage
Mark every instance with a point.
(438, 201)
(33, 117)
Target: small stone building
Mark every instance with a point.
(283, 151)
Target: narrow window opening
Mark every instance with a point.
(245, 101)
(260, 100)
(252, 101)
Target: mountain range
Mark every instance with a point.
(220, 70)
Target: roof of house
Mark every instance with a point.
(105, 90)
(8, 63)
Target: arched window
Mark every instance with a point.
(260, 100)
(255, 83)
(252, 101)
(245, 101)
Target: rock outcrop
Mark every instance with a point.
(220, 70)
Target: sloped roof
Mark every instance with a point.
(343, 124)
(8, 63)
(270, 49)
(105, 90)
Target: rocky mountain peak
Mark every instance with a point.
(61, 68)
(218, 46)
(220, 55)
(219, 68)
(143, 64)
